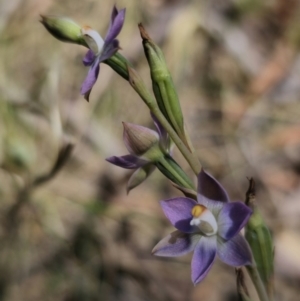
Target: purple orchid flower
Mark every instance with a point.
(210, 226)
(145, 147)
(100, 50)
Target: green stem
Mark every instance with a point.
(260, 288)
(191, 158)
(179, 177)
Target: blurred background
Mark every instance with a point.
(75, 234)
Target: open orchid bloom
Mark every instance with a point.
(209, 226)
(100, 50)
(145, 147)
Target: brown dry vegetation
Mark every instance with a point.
(236, 66)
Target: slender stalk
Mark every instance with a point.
(181, 179)
(191, 158)
(260, 288)
(138, 85)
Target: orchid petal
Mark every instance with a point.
(93, 39)
(235, 252)
(232, 218)
(113, 15)
(127, 161)
(210, 188)
(90, 80)
(139, 176)
(178, 211)
(109, 49)
(214, 206)
(116, 24)
(203, 258)
(175, 244)
(88, 58)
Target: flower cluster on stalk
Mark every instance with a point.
(210, 225)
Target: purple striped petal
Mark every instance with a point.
(127, 161)
(210, 188)
(90, 80)
(232, 218)
(139, 176)
(88, 58)
(178, 211)
(203, 258)
(176, 244)
(116, 24)
(235, 252)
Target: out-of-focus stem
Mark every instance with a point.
(255, 277)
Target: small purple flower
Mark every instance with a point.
(145, 147)
(100, 50)
(209, 226)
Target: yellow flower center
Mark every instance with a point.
(198, 210)
(204, 220)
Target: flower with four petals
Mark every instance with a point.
(100, 50)
(209, 226)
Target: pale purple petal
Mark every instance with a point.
(90, 80)
(210, 188)
(139, 176)
(203, 258)
(235, 252)
(232, 218)
(88, 58)
(117, 21)
(109, 49)
(178, 211)
(175, 244)
(114, 13)
(214, 206)
(127, 161)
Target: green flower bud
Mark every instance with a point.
(163, 86)
(142, 142)
(260, 240)
(63, 29)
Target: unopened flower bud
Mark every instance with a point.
(63, 29)
(163, 86)
(141, 141)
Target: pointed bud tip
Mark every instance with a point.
(143, 32)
